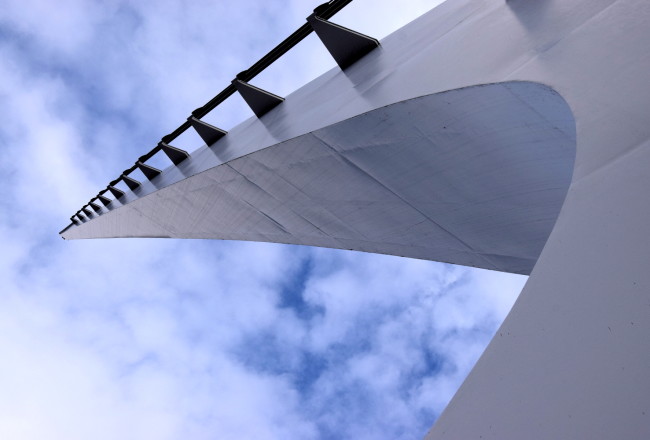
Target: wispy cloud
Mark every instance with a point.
(164, 339)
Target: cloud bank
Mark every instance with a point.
(164, 339)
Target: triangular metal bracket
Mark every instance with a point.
(105, 200)
(148, 171)
(345, 45)
(95, 207)
(80, 217)
(174, 154)
(209, 133)
(260, 101)
(130, 182)
(118, 193)
(87, 211)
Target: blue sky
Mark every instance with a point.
(170, 339)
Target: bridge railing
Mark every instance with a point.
(346, 47)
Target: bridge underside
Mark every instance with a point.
(474, 176)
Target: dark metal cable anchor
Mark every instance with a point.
(174, 154)
(209, 133)
(259, 100)
(345, 45)
(130, 182)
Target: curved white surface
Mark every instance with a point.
(474, 176)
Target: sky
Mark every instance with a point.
(176, 339)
